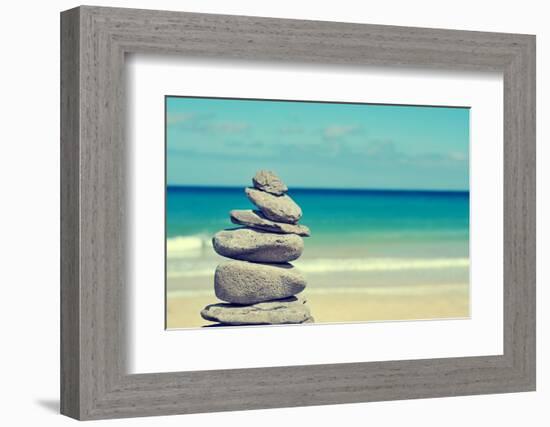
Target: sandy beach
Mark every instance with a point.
(378, 303)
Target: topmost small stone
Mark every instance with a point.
(269, 182)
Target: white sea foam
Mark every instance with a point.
(328, 265)
(331, 265)
(187, 246)
(439, 288)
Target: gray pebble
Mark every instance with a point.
(268, 181)
(258, 246)
(256, 219)
(285, 311)
(243, 282)
(275, 208)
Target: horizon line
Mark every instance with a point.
(236, 187)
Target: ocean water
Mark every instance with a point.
(359, 237)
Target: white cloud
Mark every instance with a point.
(178, 118)
(227, 126)
(457, 156)
(338, 131)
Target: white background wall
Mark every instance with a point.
(29, 224)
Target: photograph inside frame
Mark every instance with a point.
(284, 212)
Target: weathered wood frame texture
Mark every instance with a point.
(94, 41)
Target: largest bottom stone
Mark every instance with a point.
(286, 311)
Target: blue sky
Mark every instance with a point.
(321, 145)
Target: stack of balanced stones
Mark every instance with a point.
(259, 285)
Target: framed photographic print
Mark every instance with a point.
(387, 231)
(314, 212)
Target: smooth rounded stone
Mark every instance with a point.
(285, 311)
(275, 208)
(268, 181)
(243, 282)
(258, 246)
(256, 219)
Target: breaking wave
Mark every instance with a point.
(187, 246)
(330, 265)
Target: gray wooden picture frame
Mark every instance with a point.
(94, 381)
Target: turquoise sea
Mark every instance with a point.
(358, 236)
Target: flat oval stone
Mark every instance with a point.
(285, 311)
(243, 282)
(269, 182)
(275, 208)
(258, 246)
(256, 219)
